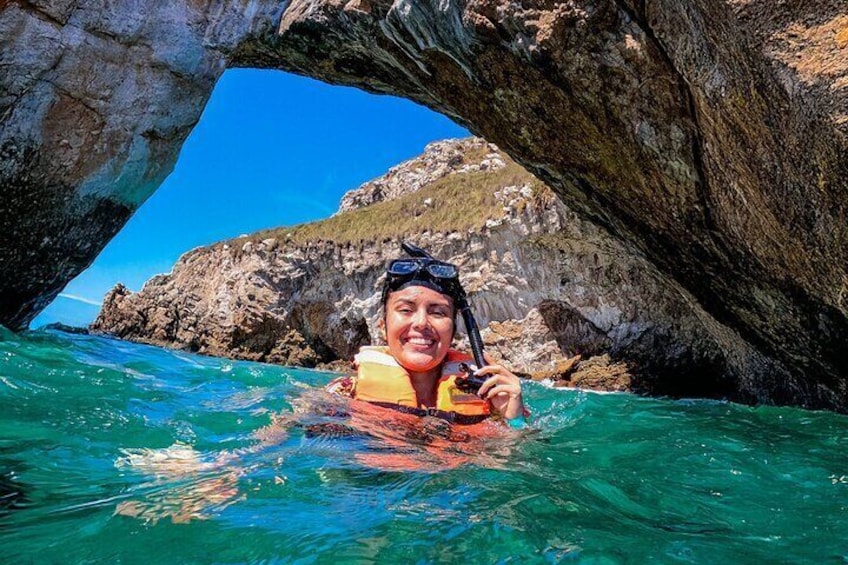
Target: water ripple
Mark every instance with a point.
(116, 452)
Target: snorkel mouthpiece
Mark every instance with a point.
(469, 382)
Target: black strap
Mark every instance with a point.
(452, 417)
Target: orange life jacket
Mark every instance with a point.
(382, 381)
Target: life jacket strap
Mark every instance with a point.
(452, 417)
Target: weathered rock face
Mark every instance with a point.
(661, 121)
(656, 120)
(807, 43)
(96, 99)
(546, 284)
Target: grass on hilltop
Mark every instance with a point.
(459, 202)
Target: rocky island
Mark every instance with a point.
(557, 296)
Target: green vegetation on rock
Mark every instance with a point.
(457, 202)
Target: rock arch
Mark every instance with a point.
(664, 122)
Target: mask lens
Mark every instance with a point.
(442, 270)
(403, 267)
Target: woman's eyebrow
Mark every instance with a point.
(413, 302)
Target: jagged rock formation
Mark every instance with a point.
(657, 120)
(712, 147)
(96, 99)
(438, 161)
(546, 284)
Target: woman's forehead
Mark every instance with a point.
(420, 294)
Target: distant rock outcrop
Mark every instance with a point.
(543, 283)
(439, 160)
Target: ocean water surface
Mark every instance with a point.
(112, 452)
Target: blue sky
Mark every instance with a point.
(271, 149)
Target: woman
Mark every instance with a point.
(417, 371)
(415, 374)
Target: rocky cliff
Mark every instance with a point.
(706, 134)
(544, 284)
(658, 120)
(96, 99)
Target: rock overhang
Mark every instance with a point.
(661, 121)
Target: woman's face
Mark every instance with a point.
(419, 327)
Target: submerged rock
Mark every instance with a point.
(596, 373)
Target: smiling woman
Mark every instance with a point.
(271, 149)
(417, 372)
(419, 324)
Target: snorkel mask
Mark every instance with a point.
(422, 269)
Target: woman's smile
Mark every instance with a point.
(421, 341)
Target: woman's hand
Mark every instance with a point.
(502, 389)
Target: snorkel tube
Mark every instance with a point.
(471, 382)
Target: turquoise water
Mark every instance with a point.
(113, 452)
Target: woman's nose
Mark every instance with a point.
(420, 319)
